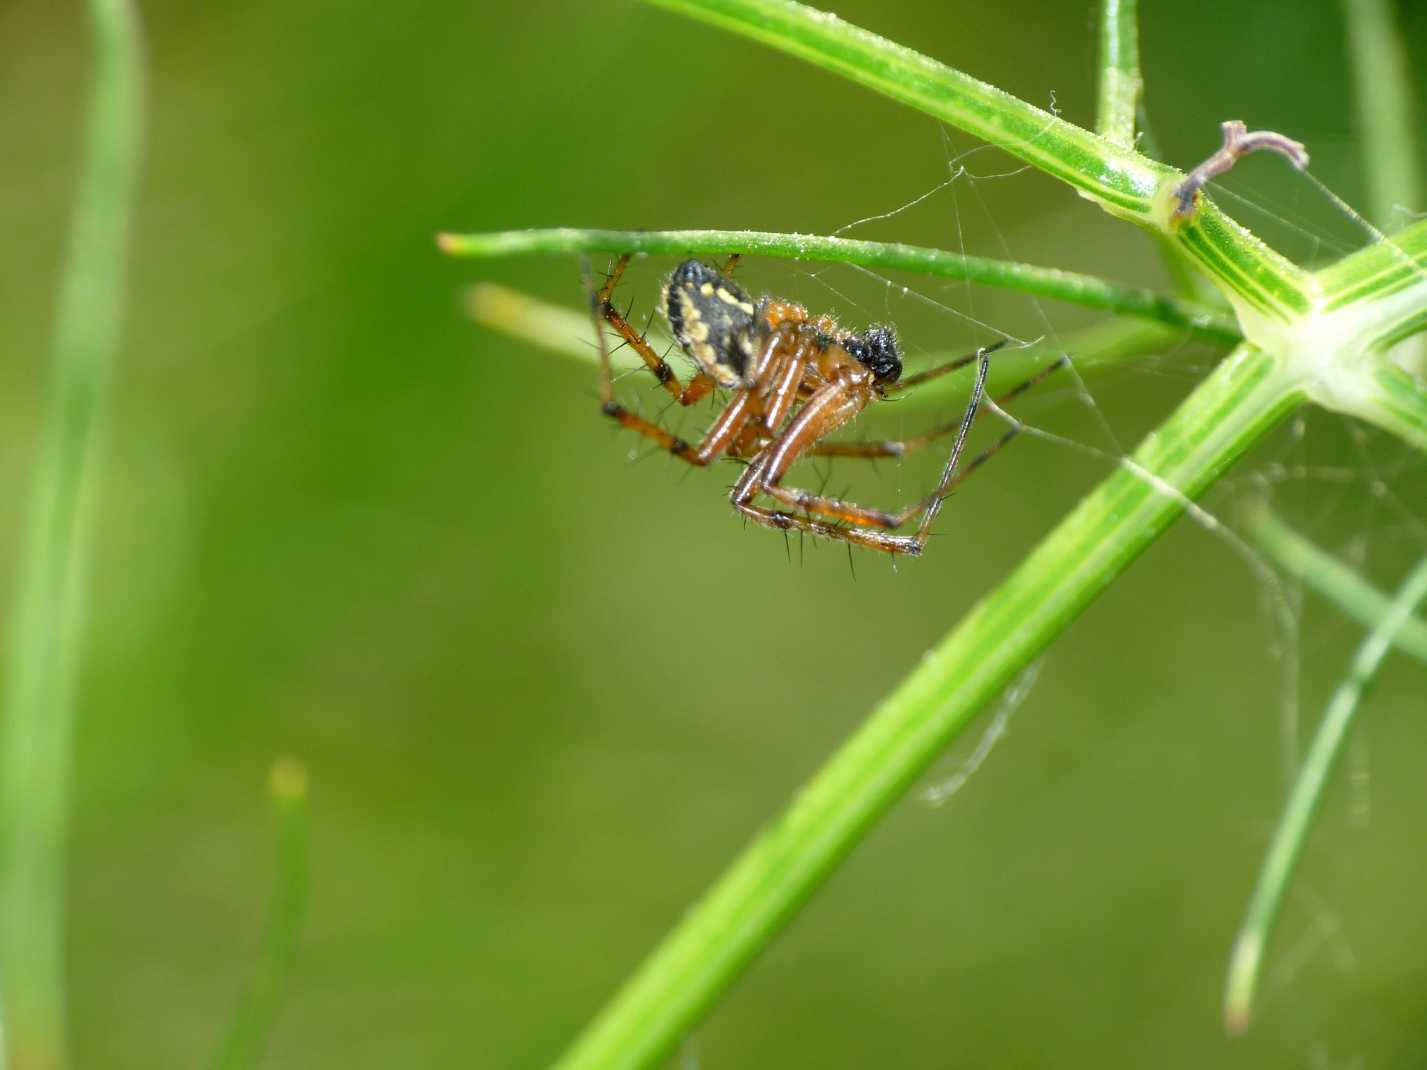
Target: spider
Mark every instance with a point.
(793, 380)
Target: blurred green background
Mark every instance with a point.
(544, 693)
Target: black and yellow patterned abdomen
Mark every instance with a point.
(712, 319)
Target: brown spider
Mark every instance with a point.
(794, 380)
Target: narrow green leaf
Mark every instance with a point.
(1071, 287)
(1246, 961)
(247, 1035)
(47, 615)
(712, 945)
(1383, 86)
(1117, 103)
(1377, 271)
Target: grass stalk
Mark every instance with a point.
(1117, 102)
(1377, 271)
(1306, 795)
(1382, 84)
(47, 615)
(247, 1036)
(1071, 287)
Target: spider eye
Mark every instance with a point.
(879, 351)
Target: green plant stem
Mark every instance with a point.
(1245, 396)
(1119, 118)
(1246, 961)
(1332, 579)
(1381, 291)
(1120, 82)
(47, 614)
(247, 1036)
(1085, 290)
(1377, 271)
(1122, 182)
(1383, 87)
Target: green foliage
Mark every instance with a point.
(350, 556)
(47, 618)
(1307, 338)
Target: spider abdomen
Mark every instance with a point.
(712, 319)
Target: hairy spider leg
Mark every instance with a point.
(700, 386)
(873, 450)
(857, 514)
(944, 369)
(830, 408)
(726, 431)
(783, 382)
(898, 448)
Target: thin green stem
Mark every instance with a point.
(47, 615)
(1383, 86)
(1118, 111)
(1246, 961)
(1379, 294)
(1120, 82)
(1085, 290)
(1123, 182)
(1332, 579)
(1241, 400)
(1377, 271)
(247, 1036)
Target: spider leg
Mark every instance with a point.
(901, 447)
(947, 368)
(781, 383)
(775, 518)
(827, 410)
(700, 386)
(850, 512)
(725, 430)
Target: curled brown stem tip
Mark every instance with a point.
(1237, 142)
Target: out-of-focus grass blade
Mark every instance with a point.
(1246, 961)
(243, 1045)
(1328, 576)
(47, 616)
